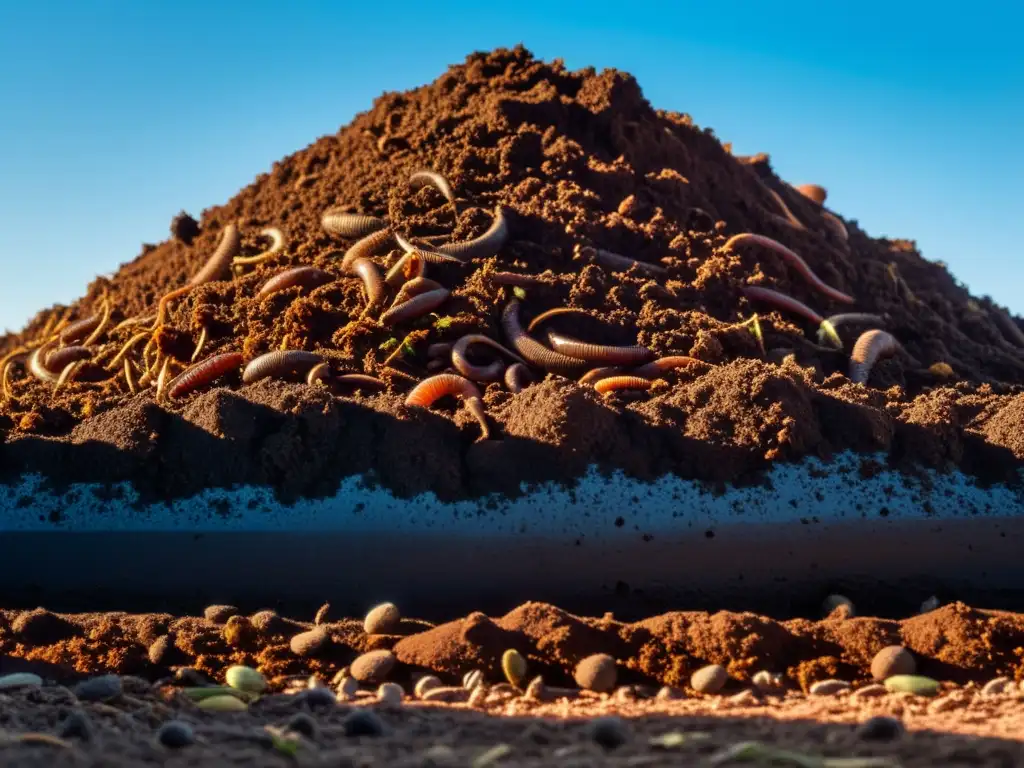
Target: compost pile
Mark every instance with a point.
(567, 190)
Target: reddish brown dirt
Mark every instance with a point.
(579, 160)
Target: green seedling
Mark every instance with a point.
(388, 345)
(520, 293)
(827, 335)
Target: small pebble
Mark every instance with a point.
(625, 693)
(224, 703)
(609, 732)
(318, 697)
(449, 694)
(268, 622)
(390, 694)
(880, 728)
(828, 687)
(914, 684)
(309, 643)
(176, 734)
(19, 680)
(872, 691)
(362, 722)
(102, 688)
(472, 679)
(836, 601)
(709, 679)
(246, 679)
(219, 614)
(239, 631)
(159, 649)
(996, 686)
(596, 673)
(191, 678)
(669, 693)
(426, 683)
(347, 688)
(514, 666)
(315, 682)
(383, 619)
(766, 682)
(76, 725)
(892, 660)
(373, 667)
(302, 723)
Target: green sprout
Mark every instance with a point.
(520, 293)
(388, 345)
(827, 335)
(442, 323)
(755, 328)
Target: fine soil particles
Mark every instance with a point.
(580, 165)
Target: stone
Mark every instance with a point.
(309, 643)
(828, 687)
(102, 688)
(596, 673)
(373, 667)
(383, 619)
(709, 679)
(892, 660)
(176, 734)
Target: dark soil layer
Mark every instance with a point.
(578, 160)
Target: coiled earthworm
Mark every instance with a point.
(615, 383)
(517, 377)
(415, 287)
(425, 176)
(599, 353)
(782, 301)
(343, 224)
(669, 363)
(373, 283)
(596, 374)
(515, 279)
(870, 346)
(373, 243)
(219, 264)
(430, 390)
(814, 192)
(36, 367)
(306, 277)
(201, 374)
(531, 349)
(278, 364)
(794, 260)
(439, 349)
(276, 244)
(543, 317)
(59, 359)
(486, 245)
(415, 307)
(490, 372)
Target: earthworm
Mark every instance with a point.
(596, 374)
(794, 260)
(491, 372)
(67, 374)
(409, 266)
(487, 244)
(306, 277)
(543, 317)
(319, 374)
(278, 364)
(515, 279)
(430, 390)
(276, 244)
(425, 176)
(827, 332)
(615, 383)
(476, 408)
(201, 374)
(415, 307)
(782, 301)
(785, 208)
(533, 350)
(219, 264)
(432, 256)
(79, 329)
(599, 353)
(36, 367)
(517, 376)
(415, 287)
(439, 349)
(59, 359)
(373, 283)
(662, 364)
(814, 192)
(358, 380)
(618, 263)
(373, 243)
(342, 224)
(436, 364)
(870, 346)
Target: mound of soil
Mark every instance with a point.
(580, 165)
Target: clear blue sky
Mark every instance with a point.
(115, 115)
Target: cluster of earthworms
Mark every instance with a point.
(128, 355)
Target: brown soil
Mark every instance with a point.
(956, 644)
(579, 160)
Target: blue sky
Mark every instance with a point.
(115, 115)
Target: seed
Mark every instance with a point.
(514, 666)
(892, 660)
(766, 682)
(302, 723)
(175, 734)
(362, 722)
(101, 688)
(162, 650)
(915, 684)
(76, 725)
(390, 694)
(709, 679)
(596, 673)
(383, 619)
(222, 703)
(996, 686)
(669, 693)
(373, 667)
(310, 642)
(219, 614)
(472, 679)
(880, 728)
(347, 688)
(609, 732)
(869, 692)
(426, 683)
(245, 679)
(829, 687)
(19, 680)
(536, 690)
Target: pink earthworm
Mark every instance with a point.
(439, 349)
(670, 363)
(599, 353)
(415, 307)
(490, 372)
(80, 329)
(278, 364)
(616, 383)
(359, 381)
(373, 283)
(306, 277)
(276, 237)
(543, 317)
(782, 301)
(437, 364)
(415, 287)
(870, 347)
(486, 245)
(201, 374)
(517, 377)
(373, 243)
(516, 280)
(430, 390)
(794, 260)
(60, 359)
(854, 317)
(219, 264)
(344, 224)
(596, 374)
(790, 216)
(425, 176)
(531, 349)
(814, 192)
(618, 263)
